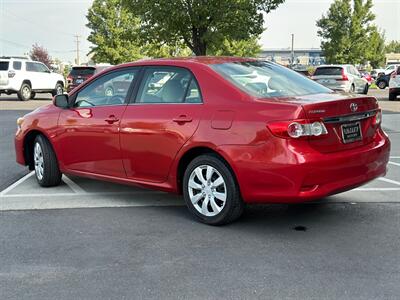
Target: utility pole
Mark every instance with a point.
(77, 49)
(292, 49)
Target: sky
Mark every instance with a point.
(54, 24)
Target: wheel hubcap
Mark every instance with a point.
(26, 92)
(207, 190)
(59, 90)
(39, 161)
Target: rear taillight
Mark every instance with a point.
(297, 128)
(69, 79)
(344, 77)
(377, 118)
(11, 74)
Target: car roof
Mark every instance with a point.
(203, 60)
(332, 66)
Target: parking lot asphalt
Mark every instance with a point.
(93, 240)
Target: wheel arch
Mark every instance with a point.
(28, 142)
(191, 154)
(27, 81)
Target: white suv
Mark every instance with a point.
(26, 78)
(394, 84)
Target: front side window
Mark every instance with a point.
(42, 68)
(264, 79)
(109, 89)
(168, 85)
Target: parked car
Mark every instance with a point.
(345, 78)
(394, 84)
(367, 77)
(302, 70)
(383, 81)
(26, 78)
(222, 131)
(80, 74)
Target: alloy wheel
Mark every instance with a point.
(26, 92)
(207, 190)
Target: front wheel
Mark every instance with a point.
(382, 85)
(45, 161)
(211, 192)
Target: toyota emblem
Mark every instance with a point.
(353, 107)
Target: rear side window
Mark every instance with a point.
(168, 85)
(17, 65)
(82, 71)
(4, 65)
(264, 79)
(330, 71)
(31, 67)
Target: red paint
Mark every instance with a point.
(142, 144)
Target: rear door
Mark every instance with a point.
(4, 65)
(164, 116)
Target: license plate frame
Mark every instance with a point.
(349, 134)
(79, 81)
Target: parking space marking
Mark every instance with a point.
(76, 188)
(375, 189)
(393, 163)
(389, 180)
(15, 184)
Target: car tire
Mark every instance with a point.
(366, 88)
(58, 90)
(25, 92)
(392, 96)
(33, 94)
(382, 84)
(352, 89)
(45, 163)
(205, 177)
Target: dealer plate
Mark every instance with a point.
(351, 132)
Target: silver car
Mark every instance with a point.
(344, 78)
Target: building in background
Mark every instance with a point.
(307, 56)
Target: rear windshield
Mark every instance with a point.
(82, 71)
(264, 79)
(334, 71)
(3, 65)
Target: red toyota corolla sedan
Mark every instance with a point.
(222, 131)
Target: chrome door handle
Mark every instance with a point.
(111, 119)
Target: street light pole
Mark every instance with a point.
(292, 50)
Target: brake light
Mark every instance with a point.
(344, 76)
(11, 74)
(297, 128)
(69, 79)
(377, 118)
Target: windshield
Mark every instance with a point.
(265, 79)
(82, 71)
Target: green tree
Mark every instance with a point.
(114, 32)
(203, 26)
(346, 31)
(245, 48)
(393, 47)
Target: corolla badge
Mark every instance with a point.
(353, 107)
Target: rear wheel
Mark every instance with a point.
(211, 192)
(58, 90)
(352, 88)
(24, 94)
(366, 88)
(45, 161)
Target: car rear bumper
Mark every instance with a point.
(395, 90)
(282, 173)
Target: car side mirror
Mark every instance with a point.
(61, 101)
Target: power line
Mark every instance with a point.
(77, 48)
(26, 46)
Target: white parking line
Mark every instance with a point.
(76, 188)
(393, 163)
(15, 184)
(376, 189)
(394, 156)
(389, 180)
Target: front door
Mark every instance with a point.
(89, 140)
(165, 115)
